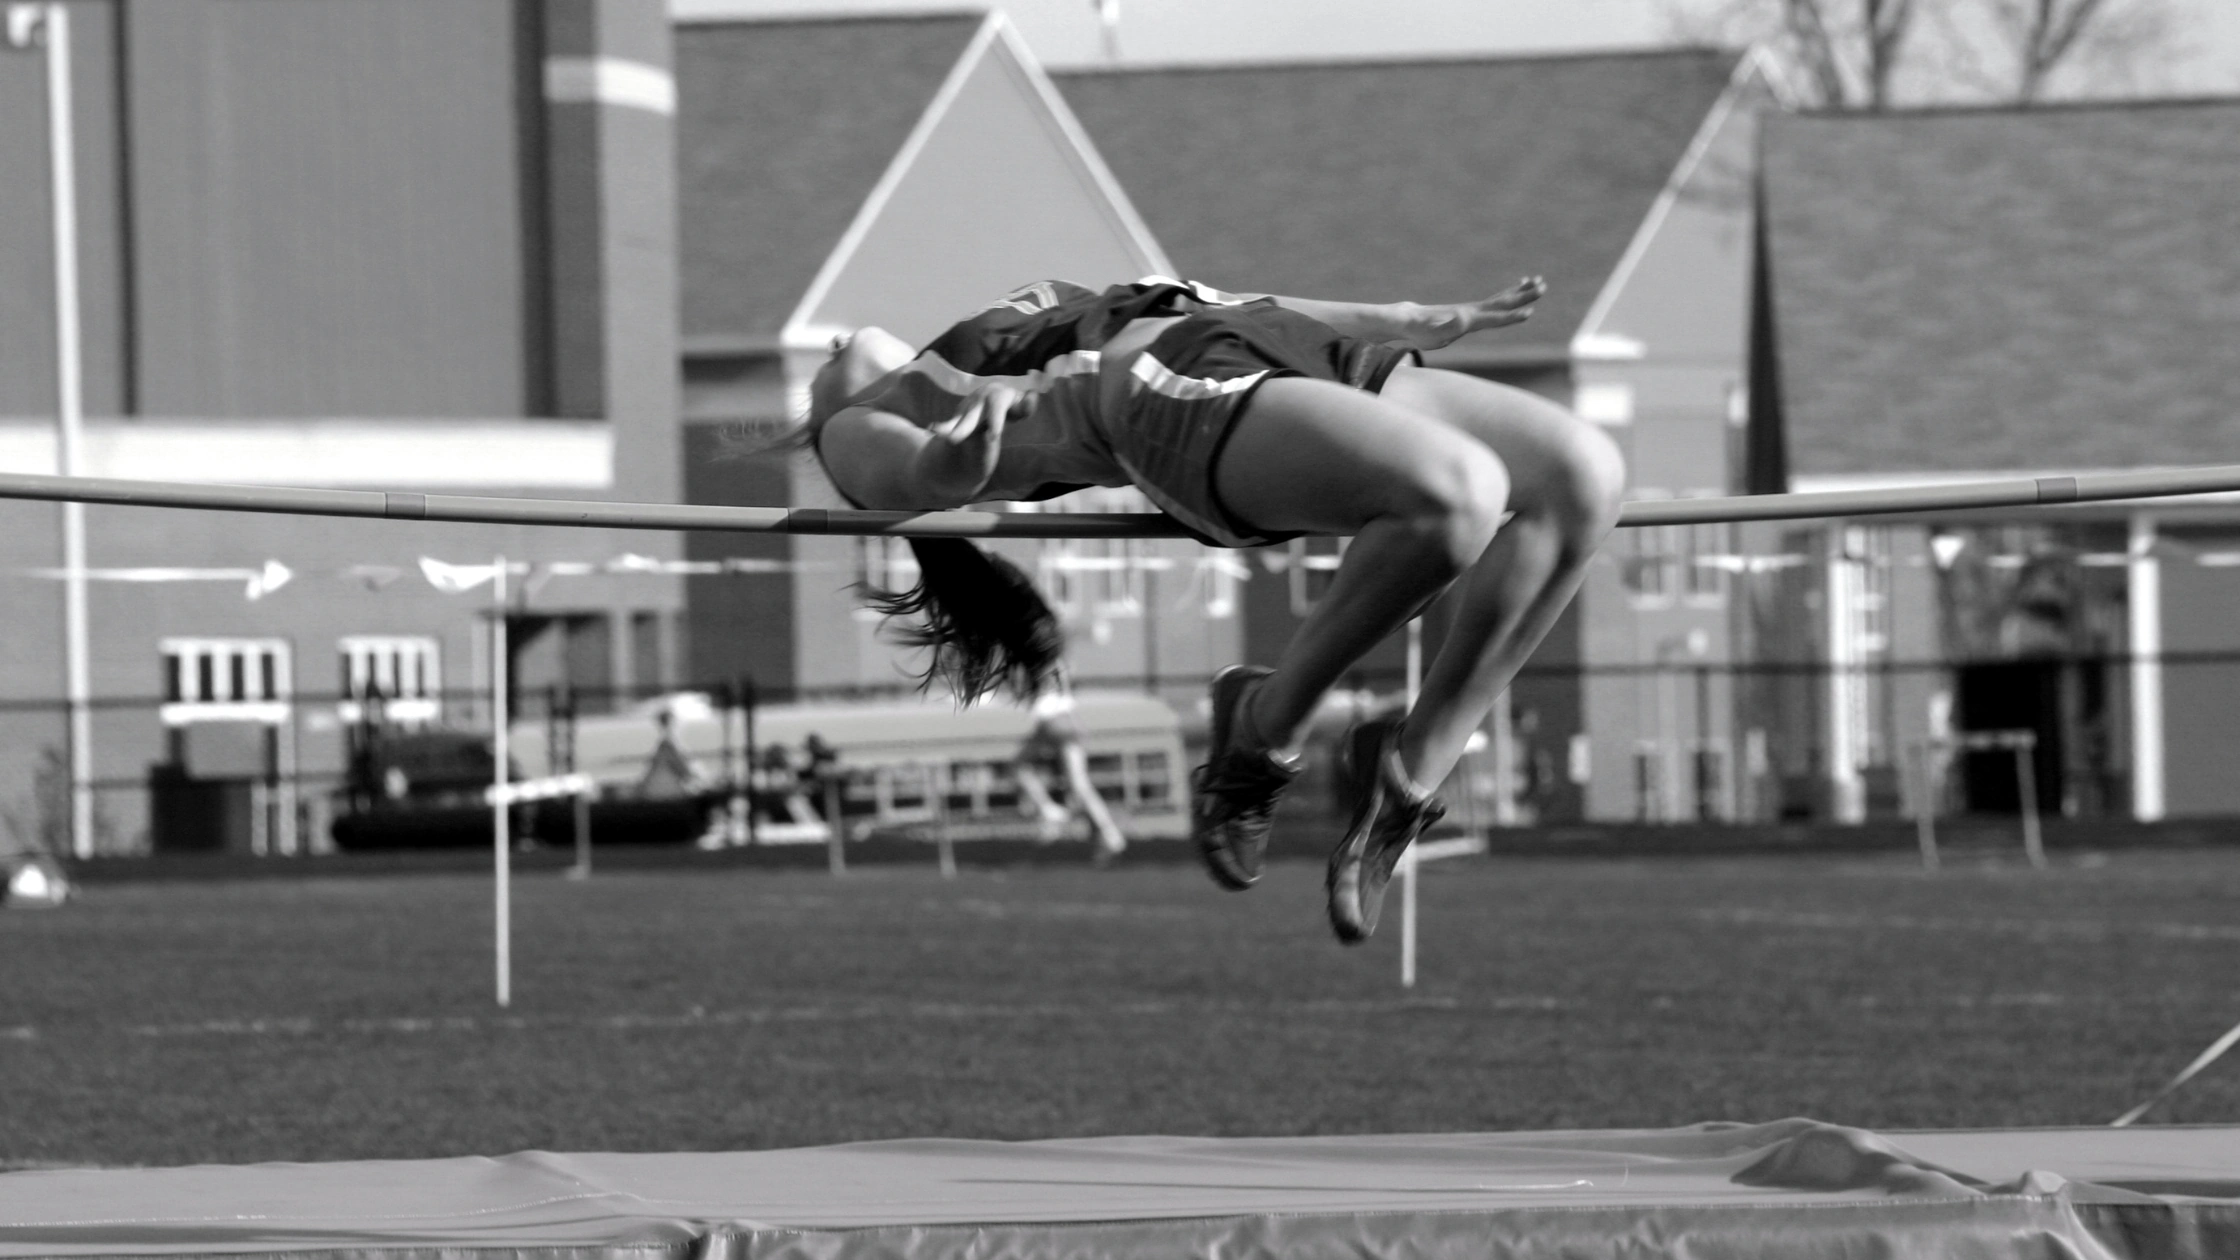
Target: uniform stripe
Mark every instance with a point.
(1203, 292)
(951, 379)
(1160, 379)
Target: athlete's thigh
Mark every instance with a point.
(1319, 457)
(1546, 448)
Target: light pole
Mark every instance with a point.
(32, 25)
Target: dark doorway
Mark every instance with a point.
(2012, 696)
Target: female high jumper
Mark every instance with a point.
(1250, 419)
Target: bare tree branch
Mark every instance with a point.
(1877, 54)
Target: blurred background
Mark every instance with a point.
(593, 248)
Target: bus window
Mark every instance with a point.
(1154, 780)
(1109, 776)
(1002, 787)
(967, 788)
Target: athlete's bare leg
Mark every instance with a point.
(1421, 476)
(1566, 481)
(1420, 497)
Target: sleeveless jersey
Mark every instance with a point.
(1042, 340)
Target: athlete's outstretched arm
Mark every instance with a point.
(1419, 325)
(881, 460)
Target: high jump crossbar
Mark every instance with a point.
(2045, 491)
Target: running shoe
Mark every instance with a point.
(1233, 796)
(1391, 814)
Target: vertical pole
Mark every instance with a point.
(1504, 760)
(289, 753)
(1408, 859)
(2143, 598)
(1846, 795)
(501, 858)
(747, 701)
(726, 709)
(1706, 789)
(62, 179)
(2026, 782)
(582, 868)
(835, 833)
(1140, 554)
(946, 850)
(1925, 806)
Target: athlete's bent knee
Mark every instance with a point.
(1591, 481)
(1456, 503)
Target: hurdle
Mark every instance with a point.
(1929, 760)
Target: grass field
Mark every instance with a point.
(160, 1023)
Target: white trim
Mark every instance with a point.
(955, 380)
(610, 81)
(875, 202)
(1083, 149)
(1590, 342)
(1161, 379)
(1607, 403)
(1775, 76)
(799, 333)
(331, 452)
(1607, 348)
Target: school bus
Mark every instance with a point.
(894, 764)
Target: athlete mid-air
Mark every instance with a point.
(1250, 419)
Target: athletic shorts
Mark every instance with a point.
(1192, 384)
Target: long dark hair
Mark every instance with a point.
(989, 628)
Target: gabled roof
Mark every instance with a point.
(1425, 180)
(853, 171)
(2004, 289)
(783, 129)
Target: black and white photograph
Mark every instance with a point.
(1119, 629)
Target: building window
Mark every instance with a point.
(390, 678)
(1101, 577)
(1095, 577)
(226, 680)
(649, 656)
(1652, 552)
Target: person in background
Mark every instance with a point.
(1053, 749)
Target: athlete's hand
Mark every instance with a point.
(1443, 325)
(957, 463)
